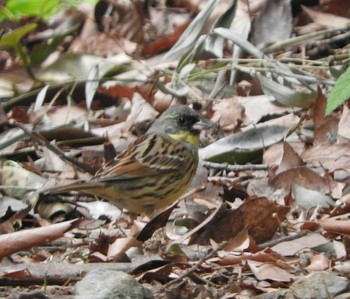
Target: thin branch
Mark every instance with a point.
(195, 267)
(232, 167)
(37, 137)
(283, 239)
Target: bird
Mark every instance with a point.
(155, 170)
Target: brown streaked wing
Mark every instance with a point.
(150, 155)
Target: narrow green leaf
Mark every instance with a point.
(40, 52)
(340, 92)
(42, 8)
(12, 38)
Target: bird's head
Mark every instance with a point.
(180, 122)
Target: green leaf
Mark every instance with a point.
(340, 92)
(42, 51)
(12, 38)
(42, 8)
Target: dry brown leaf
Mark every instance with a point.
(325, 19)
(259, 216)
(25, 239)
(343, 127)
(120, 134)
(266, 256)
(163, 43)
(241, 239)
(117, 250)
(290, 159)
(228, 113)
(265, 30)
(326, 128)
(161, 274)
(290, 248)
(308, 199)
(301, 176)
(331, 156)
(327, 132)
(7, 226)
(308, 28)
(336, 226)
(124, 18)
(319, 109)
(65, 114)
(263, 271)
(319, 262)
(267, 107)
(274, 154)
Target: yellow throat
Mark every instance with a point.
(187, 137)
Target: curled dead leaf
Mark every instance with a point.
(259, 216)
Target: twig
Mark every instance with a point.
(196, 266)
(283, 239)
(220, 179)
(304, 39)
(232, 167)
(37, 137)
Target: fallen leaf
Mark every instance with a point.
(117, 250)
(337, 226)
(290, 159)
(325, 19)
(302, 176)
(319, 262)
(25, 239)
(258, 216)
(263, 271)
(228, 113)
(265, 29)
(290, 248)
(307, 199)
(343, 128)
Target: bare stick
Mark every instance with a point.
(196, 266)
(284, 239)
(37, 137)
(232, 167)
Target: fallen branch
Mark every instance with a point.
(37, 137)
(283, 239)
(195, 267)
(232, 167)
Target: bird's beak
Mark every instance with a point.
(203, 124)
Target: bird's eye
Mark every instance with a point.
(182, 120)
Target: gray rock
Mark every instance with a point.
(320, 285)
(280, 293)
(110, 284)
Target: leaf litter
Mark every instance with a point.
(276, 227)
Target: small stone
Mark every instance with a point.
(110, 284)
(280, 293)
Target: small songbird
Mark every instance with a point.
(153, 171)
